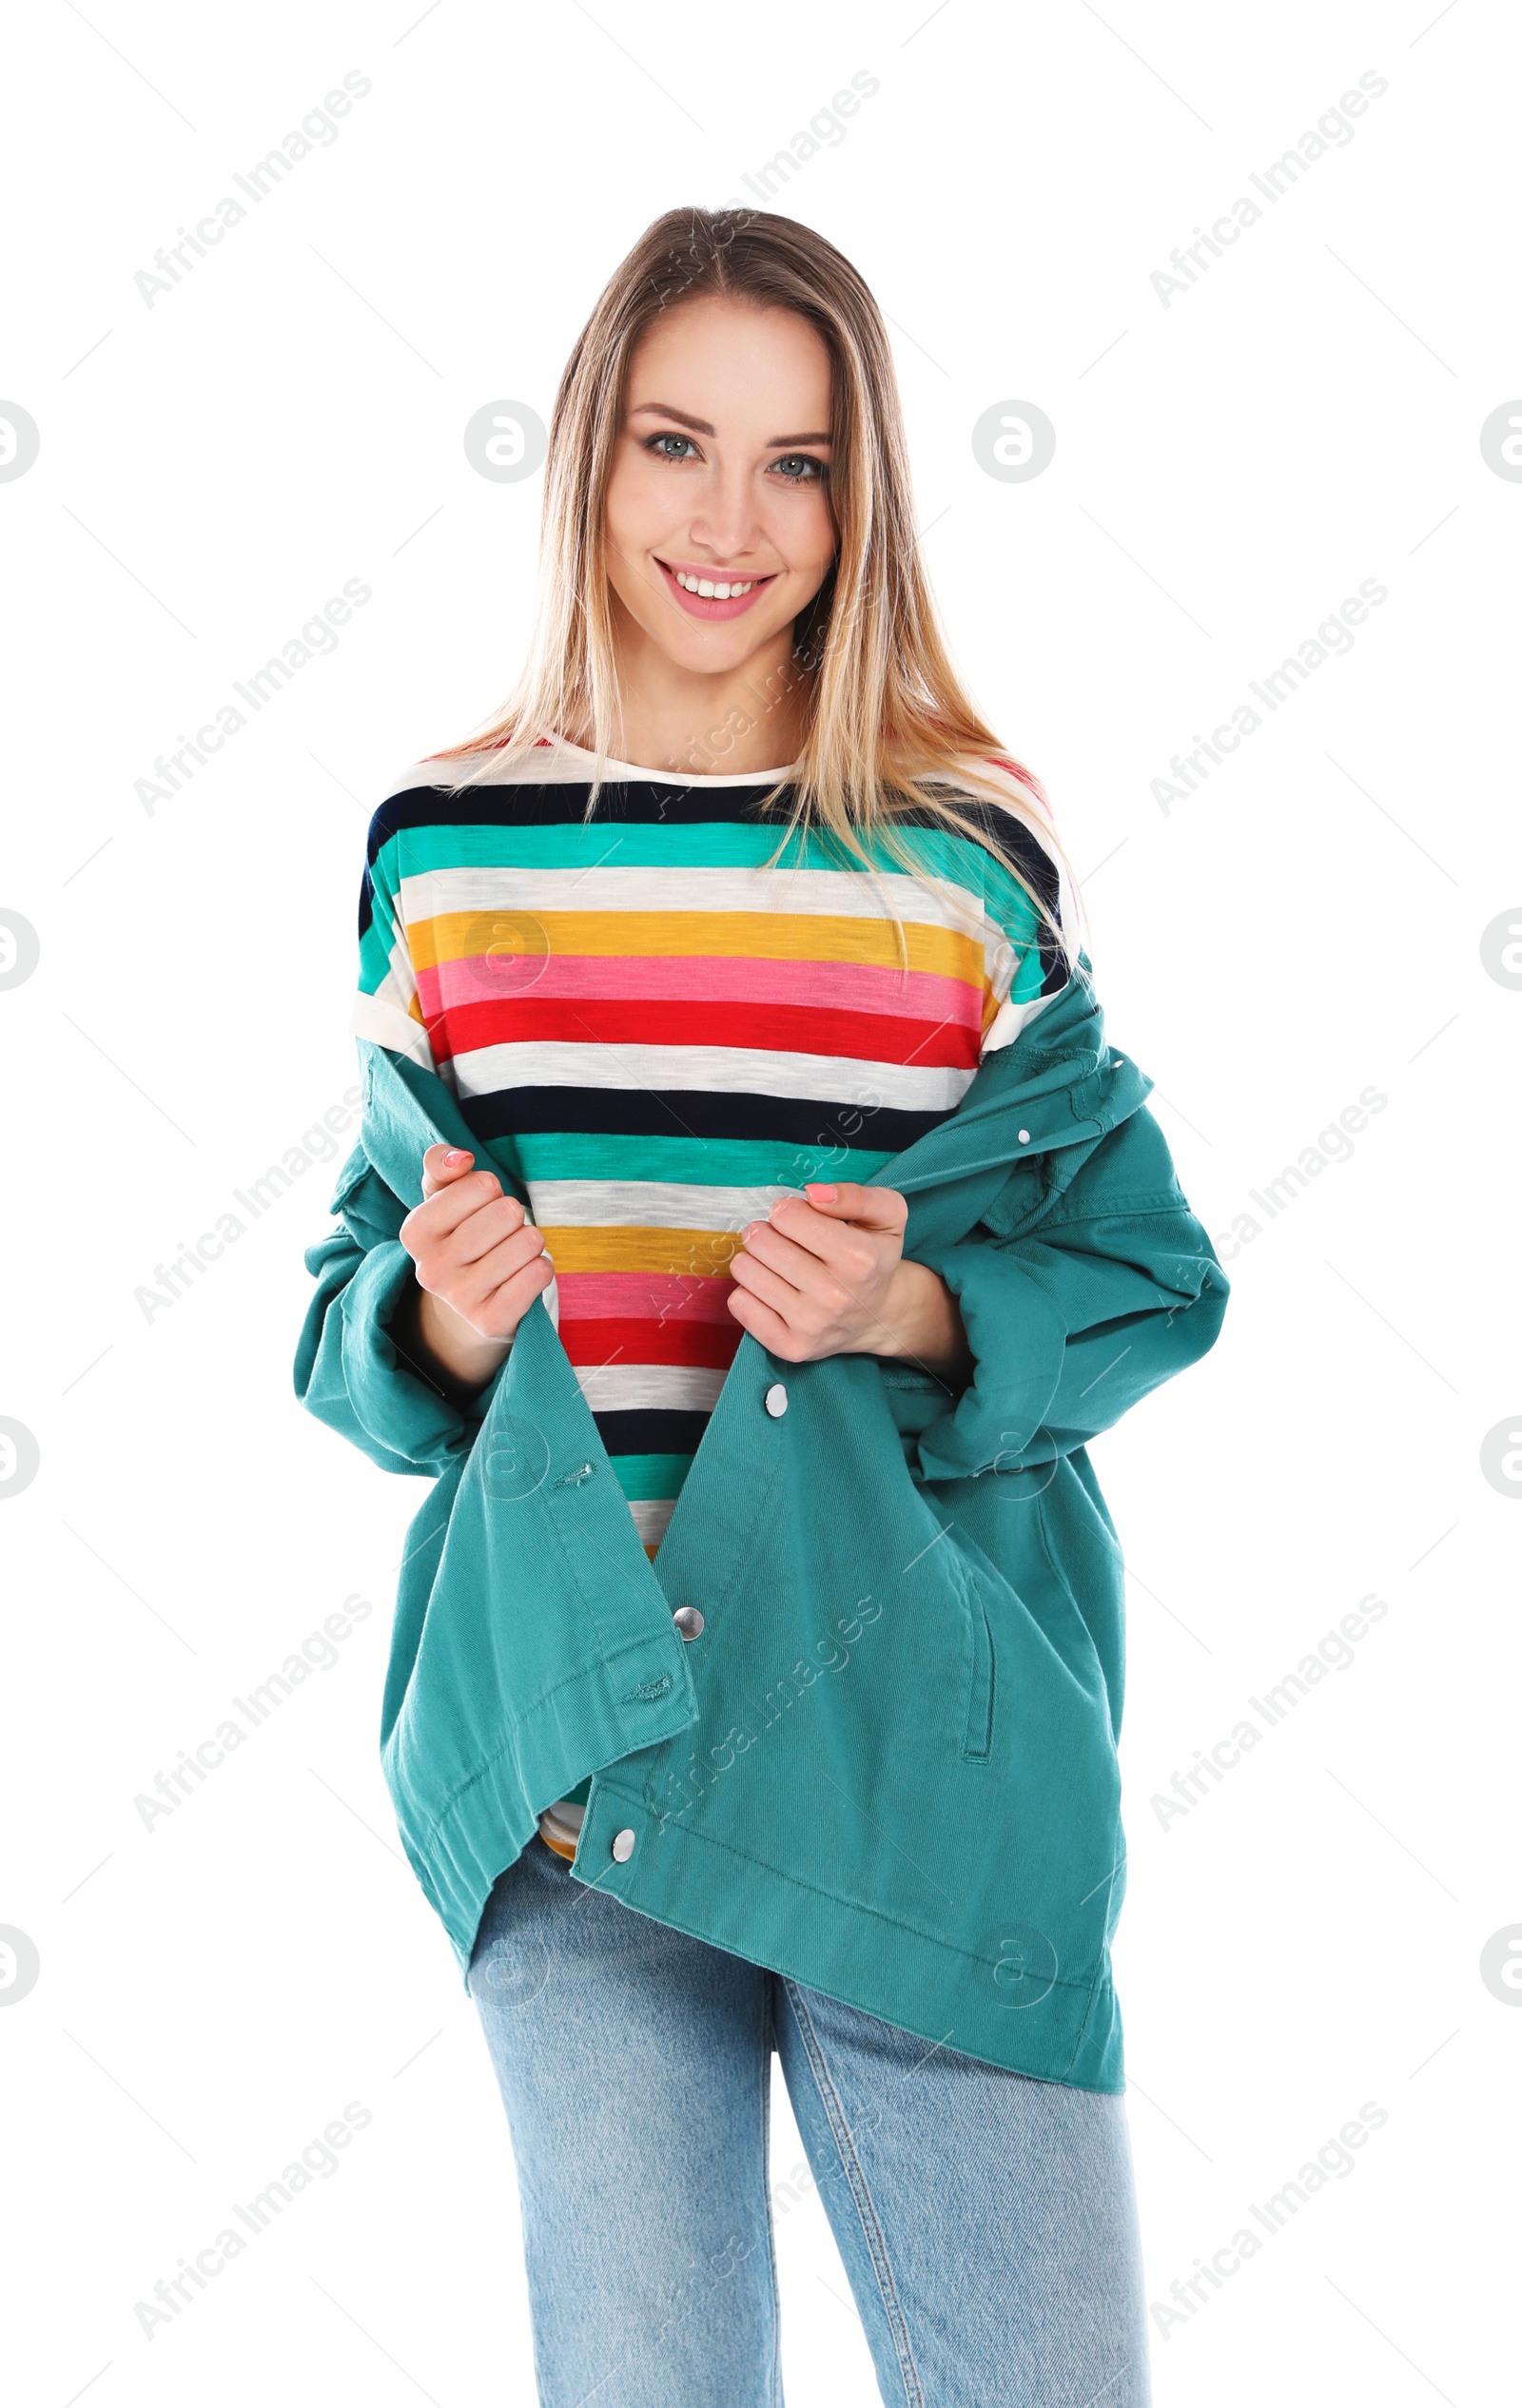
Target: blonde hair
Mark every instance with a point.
(888, 727)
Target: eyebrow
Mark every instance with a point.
(701, 426)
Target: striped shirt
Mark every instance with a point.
(654, 1035)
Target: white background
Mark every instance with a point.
(1307, 1938)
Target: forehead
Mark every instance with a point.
(727, 360)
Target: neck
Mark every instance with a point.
(750, 718)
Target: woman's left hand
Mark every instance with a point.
(824, 1273)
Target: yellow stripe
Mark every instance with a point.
(697, 1254)
(761, 936)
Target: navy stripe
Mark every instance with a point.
(647, 1111)
(652, 1431)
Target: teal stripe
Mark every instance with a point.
(379, 941)
(652, 1477)
(687, 1161)
(714, 845)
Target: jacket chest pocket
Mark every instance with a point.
(977, 1742)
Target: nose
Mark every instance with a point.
(726, 522)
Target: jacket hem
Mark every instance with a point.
(1070, 2034)
(630, 1701)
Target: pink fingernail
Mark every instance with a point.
(455, 1154)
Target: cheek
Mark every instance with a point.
(807, 536)
(632, 507)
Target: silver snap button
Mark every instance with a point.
(776, 1400)
(689, 1622)
(623, 1847)
(1023, 1135)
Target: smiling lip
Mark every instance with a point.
(699, 606)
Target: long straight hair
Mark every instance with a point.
(888, 730)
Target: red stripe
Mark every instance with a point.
(679, 1339)
(776, 1028)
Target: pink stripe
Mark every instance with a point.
(850, 986)
(637, 1295)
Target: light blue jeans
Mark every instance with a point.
(986, 2220)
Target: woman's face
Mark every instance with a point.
(720, 478)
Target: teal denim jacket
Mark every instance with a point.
(887, 1766)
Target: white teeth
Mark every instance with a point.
(722, 592)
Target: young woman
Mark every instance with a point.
(750, 1228)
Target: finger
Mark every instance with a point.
(762, 1242)
(767, 1327)
(499, 1218)
(468, 1283)
(440, 1214)
(441, 1166)
(758, 1281)
(497, 1316)
(847, 1200)
(846, 1246)
(494, 1310)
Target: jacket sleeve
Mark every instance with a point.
(1099, 1290)
(348, 1370)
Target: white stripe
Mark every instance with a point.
(650, 1204)
(652, 1514)
(385, 1023)
(722, 1070)
(1010, 1020)
(502, 888)
(626, 1387)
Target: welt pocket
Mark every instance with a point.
(978, 1738)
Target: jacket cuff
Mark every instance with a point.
(393, 1399)
(1003, 1407)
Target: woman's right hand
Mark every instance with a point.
(478, 1261)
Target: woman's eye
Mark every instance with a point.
(800, 468)
(657, 440)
